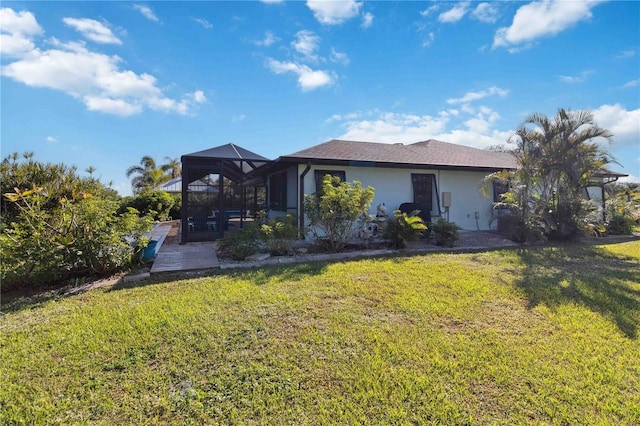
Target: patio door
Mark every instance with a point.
(423, 190)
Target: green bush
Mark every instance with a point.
(176, 210)
(334, 214)
(279, 234)
(399, 229)
(57, 225)
(81, 236)
(241, 244)
(446, 233)
(157, 204)
(275, 236)
(621, 225)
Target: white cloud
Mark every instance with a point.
(111, 106)
(308, 79)
(426, 42)
(429, 10)
(306, 43)
(631, 84)
(17, 32)
(93, 30)
(238, 118)
(94, 78)
(205, 24)
(623, 124)
(393, 128)
(580, 78)
(23, 22)
(542, 19)
(146, 12)
(483, 121)
(198, 96)
(268, 40)
(486, 12)
(334, 12)
(454, 14)
(339, 57)
(51, 139)
(626, 54)
(474, 96)
(408, 128)
(367, 20)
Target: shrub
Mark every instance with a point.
(241, 244)
(157, 204)
(275, 236)
(72, 237)
(176, 210)
(621, 225)
(279, 234)
(400, 229)
(334, 213)
(446, 233)
(623, 213)
(57, 225)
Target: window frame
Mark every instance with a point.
(278, 190)
(319, 175)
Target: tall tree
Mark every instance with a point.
(147, 175)
(172, 165)
(556, 158)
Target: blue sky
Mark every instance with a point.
(102, 84)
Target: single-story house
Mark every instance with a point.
(443, 178)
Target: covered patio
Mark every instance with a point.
(214, 191)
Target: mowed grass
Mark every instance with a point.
(539, 335)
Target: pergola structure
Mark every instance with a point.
(213, 190)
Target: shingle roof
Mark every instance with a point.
(427, 153)
(228, 152)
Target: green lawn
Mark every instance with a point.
(540, 335)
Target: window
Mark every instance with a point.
(278, 191)
(320, 174)
(423, 191)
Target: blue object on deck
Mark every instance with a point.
(149, 252)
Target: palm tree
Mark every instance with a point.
(173, 165)
(148, 175)
(556, 158)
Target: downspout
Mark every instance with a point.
(435, 183)
(301, 200)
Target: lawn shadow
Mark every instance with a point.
(585, 275)
(257, 275)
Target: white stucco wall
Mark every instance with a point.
(393, 187)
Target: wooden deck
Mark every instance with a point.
(186, 257)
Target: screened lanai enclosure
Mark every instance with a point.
(216, 194)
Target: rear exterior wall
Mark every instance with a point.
(469, 208)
